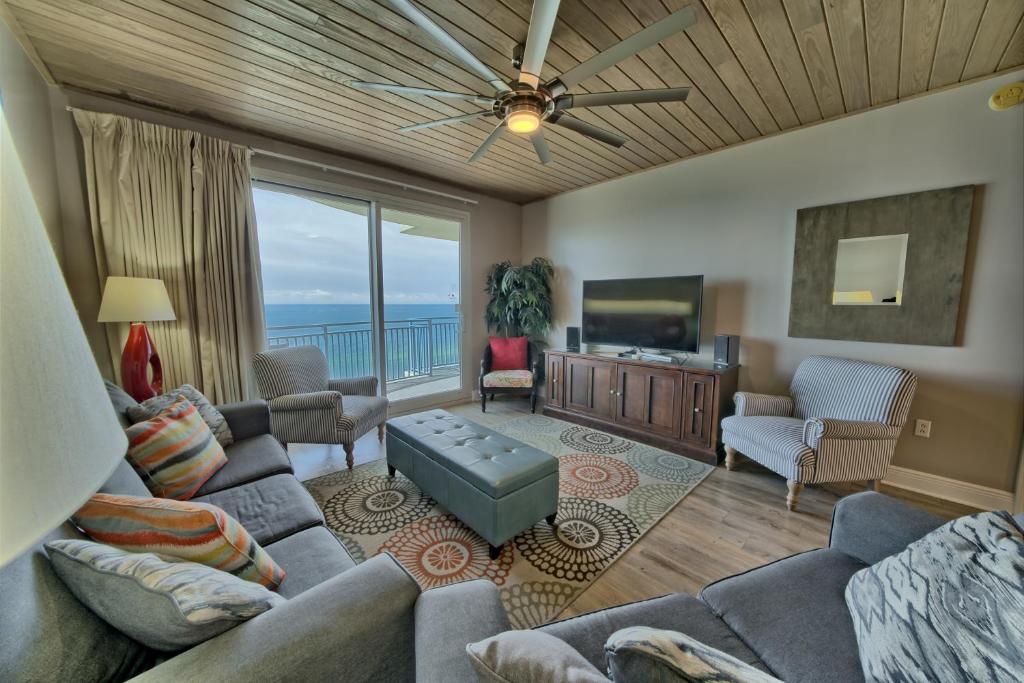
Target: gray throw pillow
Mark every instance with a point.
(152, 407)
(950, 607)
(641, 653)
(530, 657)
(164, 604)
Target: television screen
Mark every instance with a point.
(651, 313)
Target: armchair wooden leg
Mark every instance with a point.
(380, 432)
(349, 457)
(872, 484)
(730, 458)
(533, 402)
(793, 496)
(483, 401)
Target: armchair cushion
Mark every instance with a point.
(354, 386)
(295, 370)
(508, 353)
(767, 405)
(508, 379)
(315, 400)
(361, 414)
(775, 442)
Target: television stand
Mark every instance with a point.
(672, 406)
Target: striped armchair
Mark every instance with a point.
(306, 406)
(839, 423)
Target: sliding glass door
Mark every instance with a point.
(375, 286)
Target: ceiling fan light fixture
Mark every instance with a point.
(523, 119)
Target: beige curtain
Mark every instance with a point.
(176, 205)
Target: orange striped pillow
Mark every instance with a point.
(197, 532)
(175, 452)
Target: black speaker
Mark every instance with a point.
(572, 339)
(727, 349)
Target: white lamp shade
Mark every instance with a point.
(134, 299)
(59, 436)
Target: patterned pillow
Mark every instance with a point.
(165, 605)
(197, 532)
(640, 653)
(174, 452)
(950, 607)
(533, 656)
(152, 407)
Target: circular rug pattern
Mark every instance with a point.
(666, 466)
(439, 550)
(376, 505)
(534, 602)
(648, 503)
(589, 441)
(590, 534)
(595, 476)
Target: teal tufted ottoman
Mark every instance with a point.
(496, 485)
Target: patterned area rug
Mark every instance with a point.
(612, 491)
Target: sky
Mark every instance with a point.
(311, 253)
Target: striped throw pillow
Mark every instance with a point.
(174, 452)
(197, 532)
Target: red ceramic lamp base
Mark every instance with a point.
(139, 354)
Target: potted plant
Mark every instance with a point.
(520, 303)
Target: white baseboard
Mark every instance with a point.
(949, 489)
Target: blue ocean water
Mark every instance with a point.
(319, 314)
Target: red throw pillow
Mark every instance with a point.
(508, 353)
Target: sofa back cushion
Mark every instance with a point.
(846, 389)
(48, 635)
(121, 402)
(125, 481)
(298, 370)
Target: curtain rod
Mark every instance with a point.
(355, 174)
(365, 176)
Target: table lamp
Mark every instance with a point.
(59, 436)
(136, 300)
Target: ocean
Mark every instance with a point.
(319, 314)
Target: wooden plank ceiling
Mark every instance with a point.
(756, 67)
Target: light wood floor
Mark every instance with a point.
(732, 522)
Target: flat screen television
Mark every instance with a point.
(650, 312)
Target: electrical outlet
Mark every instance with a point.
(923, 428)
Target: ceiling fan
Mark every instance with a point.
(522, 106)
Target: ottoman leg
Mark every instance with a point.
(494, 551)
(550, 519)
(391, 471)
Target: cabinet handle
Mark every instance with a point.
(696, 410)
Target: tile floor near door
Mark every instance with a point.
(732, 522)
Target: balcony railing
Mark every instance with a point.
(417, 347)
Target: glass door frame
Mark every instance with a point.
(276, 172)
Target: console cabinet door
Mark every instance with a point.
(589, 386)
(554, 377)
(698, 409)
(649, 398)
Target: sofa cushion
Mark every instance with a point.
(489, 461)
(948, 608)
(309, 558)
(189, 530)
(641, 653)
(677, 612)
(48, 635)
(792, 613)
(529, 657)
(249, 460)
(213, 418)
(174, 452)
(269, 508)
(125, 481)
(166, 605)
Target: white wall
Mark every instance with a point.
(27, 110)
(731, 216)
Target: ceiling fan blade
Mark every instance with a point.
(486, 144)
(542, 21)
(641, 40)
(598, 99)
(416, 16)
(584, 128)
(407, 90)
(540, 146)
(445, 122)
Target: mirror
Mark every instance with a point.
(869, 271)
